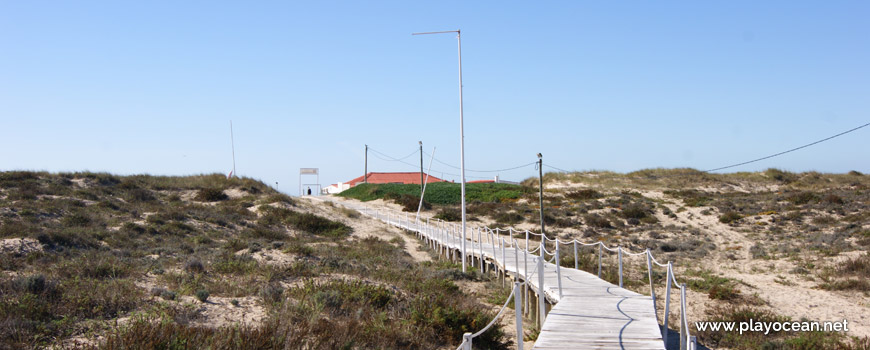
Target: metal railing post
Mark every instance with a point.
(542, 314)
(599, 258)
(576, 264)
(466, 341)
(558, 268)
(527, 239)
(503, 264)
(652, 291)
(480, 251)
(494, 254)
(518, 310)
(665, 331)
(684, 331)
(619, 253)
(525, 273)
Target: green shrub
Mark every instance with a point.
(202, 295)
(449, 214)
(76, 220)
(725, 292)
(443, 193)
(634, 211)
(271, 293)
(781, 176)
(595, 220)
(34, 284)
(583, 194)
(833, 199)
(210, 194)
(194, 266)
(409, 203)
(318, 225)
(803, 198)
(509, 218)
(729, 217)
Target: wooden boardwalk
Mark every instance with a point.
(590, 313)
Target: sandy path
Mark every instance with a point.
(419, 253)
(364, 226)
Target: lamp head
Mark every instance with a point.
(539, 156)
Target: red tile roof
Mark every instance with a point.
(388, 178)
(480, 181)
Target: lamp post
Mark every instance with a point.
(461, 135)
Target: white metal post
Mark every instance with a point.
(480, 250)
(665, 331)
(527, 239)
(599, 258)
(503, 264)
(652, 291)
(526, 273)
(558, 269)
(461, 144)
(576, 265)
(619, 254)
(518, 308)
(466, 341)
(684, 325)
(541, 313)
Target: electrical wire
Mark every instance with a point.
(415, 166)
(788, 151)
(391, 158)
(754, 160)
(482, 171)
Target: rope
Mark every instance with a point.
(608, 249)
(515, 244)
(656, 262)
(500, 312)
(633, 254)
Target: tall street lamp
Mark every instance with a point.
(461, 135)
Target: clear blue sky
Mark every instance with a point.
(149, 87)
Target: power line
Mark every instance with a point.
(415, 166)
(788, 151)
(562, 170)
(758, 159)
(391, 158)
(483, 171)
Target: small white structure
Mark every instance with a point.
(336, 188)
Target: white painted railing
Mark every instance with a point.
(445, 238)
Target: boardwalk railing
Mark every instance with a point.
(489, 248)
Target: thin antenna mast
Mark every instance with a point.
(233, 144)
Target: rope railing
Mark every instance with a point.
(446, 239)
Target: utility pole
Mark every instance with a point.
(541, 187)
(421, 167)
(366, 173)
(461, 140)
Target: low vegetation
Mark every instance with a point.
(135, 260)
